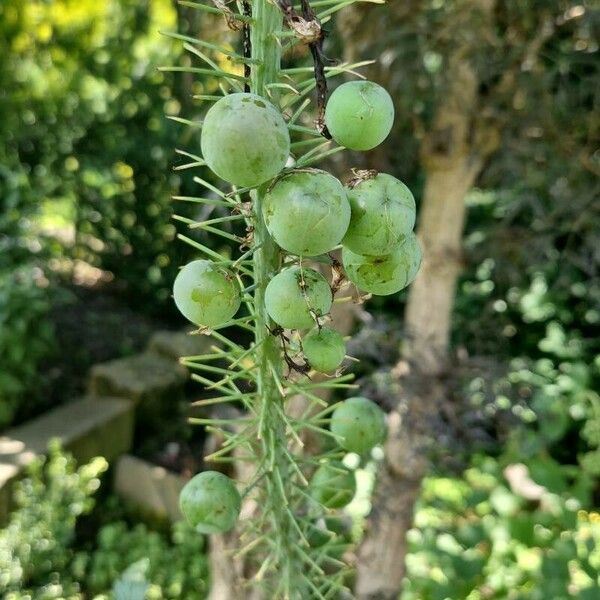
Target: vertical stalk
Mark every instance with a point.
(265, 50)
(267, 19)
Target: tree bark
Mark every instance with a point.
(452, 155)
(412, 426)
(451, 165)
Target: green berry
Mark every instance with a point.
(360, 423)
(307, 212)
(324, 349)
(294, 295)
(359, 115)
(245, 139)
(206, 294)
(384, 275)
(210, 502)
(333, 485)
(383, 211)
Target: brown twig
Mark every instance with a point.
(360, 175)
(316, 49)
(338, 277)
(293, 366)
(246, 43)
(227, 13)
(308, 28)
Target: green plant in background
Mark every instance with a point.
(35, 546)
(85, 153)
(257, 137)
(486, 534)
(170, 567)
(479, 537)
(42, 559)
(132, 585)
(26, 338)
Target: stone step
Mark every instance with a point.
(87, 427)
(142, 378)
(149, 487)
(175, 344)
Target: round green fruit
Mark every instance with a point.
(333, 485)
(210, 502)
(295, 296)
(359, 115)
(245, 139)
(383, 211)
(388, 274)
(206, 294)
(307, 212)
(324, 349)
(360, 424)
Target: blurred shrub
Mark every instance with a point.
(175, 568)
(35, 547)
(87, 153)
(479, 537)
(41, 557)
(26, 339)
(132, 584)
(531, 299)
(13, 221)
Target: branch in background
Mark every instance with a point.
(246, 43)
(316, 49)
(308, 28)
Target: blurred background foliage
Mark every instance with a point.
(86, 179)
(87, 151)
(44, 556)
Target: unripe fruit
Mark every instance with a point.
(359, 115)
(206, 294)
(360, 423)
(384, 275)
(245, 139)
(333, 485)
(307, 212)
(324, 349)
(383, 210)
(293, 294)
(210, 502)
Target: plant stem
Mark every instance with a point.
(266, 55)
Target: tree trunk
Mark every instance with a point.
(451, 168)
(452, 155)
(412, 426)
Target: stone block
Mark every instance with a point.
(175, 344)
(151, 488)
(143, 378)
(87, 427)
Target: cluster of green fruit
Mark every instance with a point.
(307, 213)
(211, 502)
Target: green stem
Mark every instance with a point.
(266, 55)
